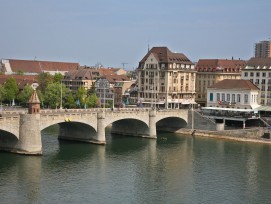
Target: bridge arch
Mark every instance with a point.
(8, 140)
(129, 126)
(171, 123)
(46, 123)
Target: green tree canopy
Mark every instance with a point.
(58, 77)
(52, 95)
(24, 95)
(44, 79)
(92, 101)
(70, 102)
(81, 94)
(11, 89)
(2, 93)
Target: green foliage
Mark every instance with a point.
(44, 79)
(92, 101)
(81, 94)
(41, 97)
(20, 72)
(11, 88)
(58, 77)
(24, 95)
(109, 104)
(52, 95)
(70, 102)
(2, 93)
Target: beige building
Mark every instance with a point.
(211, 71)
(82, 77)
(258, 71)
(166, 79)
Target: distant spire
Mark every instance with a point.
(148, 46)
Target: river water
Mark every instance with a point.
(180, 169)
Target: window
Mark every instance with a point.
(245, 74)
(246, 98)
(218, 96)
(211, 96)
(233, 98)
(257, 74)
(264, 74)
(238, 98)
(263, 81)
(228, 97)
(251, 74)
(223, 97)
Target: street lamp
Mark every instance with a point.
(60, 95)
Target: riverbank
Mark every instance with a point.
(242, 135)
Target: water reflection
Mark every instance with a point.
(179, 169)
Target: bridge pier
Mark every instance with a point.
(100, 128)
(152, 124)
(29, 135)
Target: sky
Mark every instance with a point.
(112, 32)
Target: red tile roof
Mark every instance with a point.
(33, 66)
(234, 84)
(21, 80)
(116, 78)
(261, 62)
(224, 65)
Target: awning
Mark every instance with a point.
(264, 108)
(159, 102)
(227, 109)
(188, 102)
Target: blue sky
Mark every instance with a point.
(117, 31)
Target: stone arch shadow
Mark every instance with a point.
(130, 127)
(75, 131)
(170, 124)
(7, 140)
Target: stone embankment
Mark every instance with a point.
(258, 135)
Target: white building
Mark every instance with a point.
(233, 94)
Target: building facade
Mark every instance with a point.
(83, 77)
(263, 49)
(166, 79)
(211, 71)
(258, 71)
(234, 94)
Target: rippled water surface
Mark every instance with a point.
(180, 169)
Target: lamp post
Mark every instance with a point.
(60, 95)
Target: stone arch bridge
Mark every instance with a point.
(21, 132)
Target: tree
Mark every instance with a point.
(20, 72)
(2, 93)
(93, 100)
(58, 77)
(70, 102)
(11, 89)
(24, 95)
(81, 95)
(41, 97)
(44, 79)
(52, 95)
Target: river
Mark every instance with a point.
(179, 169)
